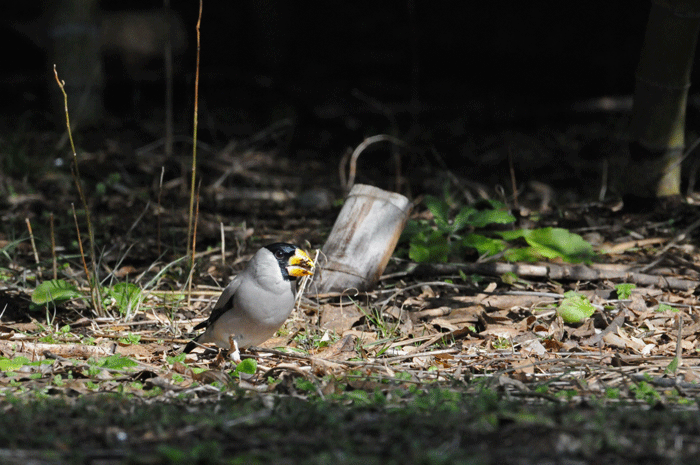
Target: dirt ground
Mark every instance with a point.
(461, 361)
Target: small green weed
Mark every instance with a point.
(575, 308)
(177, 358)
(130, 338)
(501, 343)
(315, 339)
(116, 362)
(55, 291)
(624, 290)
(126, 296)
(665, 308)
(248, 366)
(376, 318)
(646, 392)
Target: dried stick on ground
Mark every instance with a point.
(561, 271)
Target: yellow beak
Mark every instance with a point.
(300, 264)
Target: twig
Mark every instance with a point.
(513, 183)
(304, 282)
(158, 215)
(679, 237)
(80, 244)
(94, 288)
(393, 296)
(194, 135)
(394, 130)
(194, 243)
(223, 244)
(603, 181)
(138, 220)
(168, 57)
(638, 243)
(151, 146)
(468, 197)
(560, 272)
(341, 169)
(31, 240)
(679, 344)
(53, 248)
(617, 322)
(423, 354)
(360, 148)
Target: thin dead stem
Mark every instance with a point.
(31, 240)
(53, 248)
(194, 242)
(94, 293)
(158, 212)
(223, 244)
(513, 182)
(679, 343)
(360, 148)
(190, 245)
(80, 242)
(168, 58)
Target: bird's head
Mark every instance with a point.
(293, 261)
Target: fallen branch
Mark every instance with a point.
(560, 272)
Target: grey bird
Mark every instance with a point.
(258, 300)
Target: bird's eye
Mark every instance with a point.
(279, 254)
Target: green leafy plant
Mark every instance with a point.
(646, 392)
(575, 308)
(12, 364)
(434, 241)
(130, 338)
(548, 243)
(117, 362)
(176, 358)
(665, 307)
(127, 296)
(248, 366)
(672, 367)
(15, 363)
(453, 231)
(55, 291)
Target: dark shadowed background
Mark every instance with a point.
(470, 80)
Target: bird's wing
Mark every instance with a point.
(224, 304)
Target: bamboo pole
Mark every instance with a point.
(661, 91)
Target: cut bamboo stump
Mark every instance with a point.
(362, 240)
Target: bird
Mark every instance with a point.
(258, 300)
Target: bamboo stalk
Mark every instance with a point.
(661, 91)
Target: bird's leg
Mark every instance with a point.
(235, 353)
